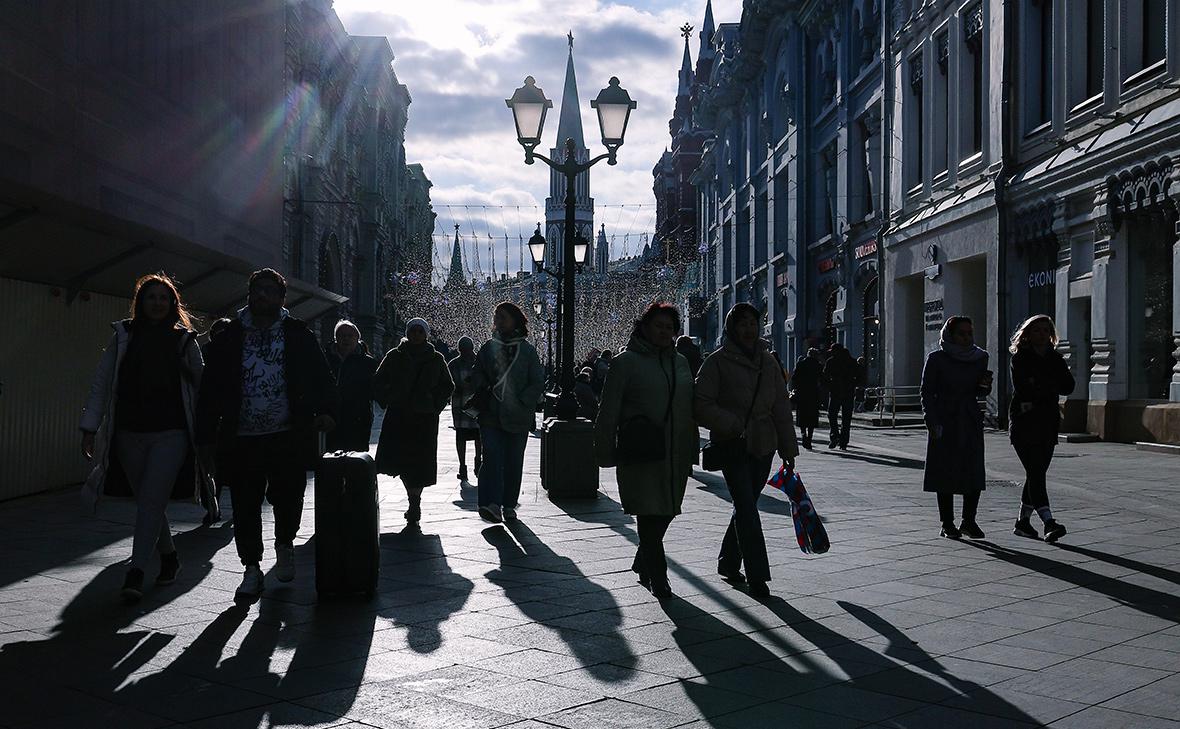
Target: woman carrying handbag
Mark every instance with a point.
(743, 402)
(645, 429)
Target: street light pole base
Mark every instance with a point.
(568, 470)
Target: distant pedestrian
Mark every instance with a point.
(840, 376)
(739, 394)
(600, 371)
(584, 392)
(687, 347)
(352, 368)
(645, 429)
(1039, 377)
(266, 394)
(804, 385)
(138, 422)
(414, 385)
(954, 377)
(465, 424)
(510, 380)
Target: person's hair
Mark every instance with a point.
(654, 309)
(1018, 335)
(948, 328)
(607, 354)
(177, 314)
(514, 311)
(345, 324)
(218, 327)
(739, 310)
(270, 273)
(813, 351)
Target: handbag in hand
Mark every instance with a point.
(716, 455)
(640, 439)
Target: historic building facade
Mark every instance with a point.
(790, 182)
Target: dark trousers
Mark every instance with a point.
(503, 466)
(257, 467)
(1036, 459)
(839, 418)
(946, 507)
(744, 542)
(649, 558)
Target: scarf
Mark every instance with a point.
(505, 351)
(809, 529)
(969, 353)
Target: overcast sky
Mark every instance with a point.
(462, 58)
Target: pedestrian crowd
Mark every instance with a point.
(260, 402)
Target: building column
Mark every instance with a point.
(1108, 313)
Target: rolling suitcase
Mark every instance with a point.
(346, 524)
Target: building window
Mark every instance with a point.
(916, 126)
(942, 107)
(1154, 41)
(1095, 47)
(1144, 39)
(1086, 41)
(973, 105)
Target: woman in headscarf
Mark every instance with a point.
(740, 393)
(352, 367)
(413, 384)
(648, 398)
(509, 380)
(466, 426)
(954, 377)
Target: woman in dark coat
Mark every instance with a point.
(413, 384)
(805, 381)
(954, 376)
(1039, 376)
(352, 367)
(650, 381)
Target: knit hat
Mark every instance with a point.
(739, 310)
(417, 322)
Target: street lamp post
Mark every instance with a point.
(529, 107)
(537, 246)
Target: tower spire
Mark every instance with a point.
(686, 76)
(455, 277)
(569, 125)
(708, 28)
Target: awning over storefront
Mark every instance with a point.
(47, 240)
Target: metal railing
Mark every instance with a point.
(887, 399)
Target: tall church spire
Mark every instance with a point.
(686, 75)
(602, 252)
(456, 277)
(707, 50)
(569, 125)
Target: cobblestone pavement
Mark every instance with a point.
(541, 622)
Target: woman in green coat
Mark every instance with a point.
(649, 393)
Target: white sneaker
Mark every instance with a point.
(284, 562)
(252, 583)
(491, 513)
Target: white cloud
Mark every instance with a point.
(461, 58)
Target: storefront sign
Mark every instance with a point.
(1040, 279)
(826, 264)
(866, 249)
(933, 312)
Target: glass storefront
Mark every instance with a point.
(1149, 307)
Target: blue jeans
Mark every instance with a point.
(503, 464)
(743, 542)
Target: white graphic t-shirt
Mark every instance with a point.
(265, 407)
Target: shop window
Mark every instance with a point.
(1150, 301)
(871, 330)
(830, 332)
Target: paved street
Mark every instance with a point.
(541, 623)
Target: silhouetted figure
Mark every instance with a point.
(137, 426)
(266, 394)
(465, 424)
(413, 384)
(805, 386)
(954, 376)
(352, 367)
(840, 376)
(645, 429)
(687, 347)
(509, 380)
(1039, 376)
(584, 392)
(739, 394)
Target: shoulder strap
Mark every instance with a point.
(754, 399)
(671, 386)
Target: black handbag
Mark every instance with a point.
(716, 455)
(640, 439)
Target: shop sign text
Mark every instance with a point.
(1041, 279)
(933, 312)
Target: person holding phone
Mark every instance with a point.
(954, 377)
